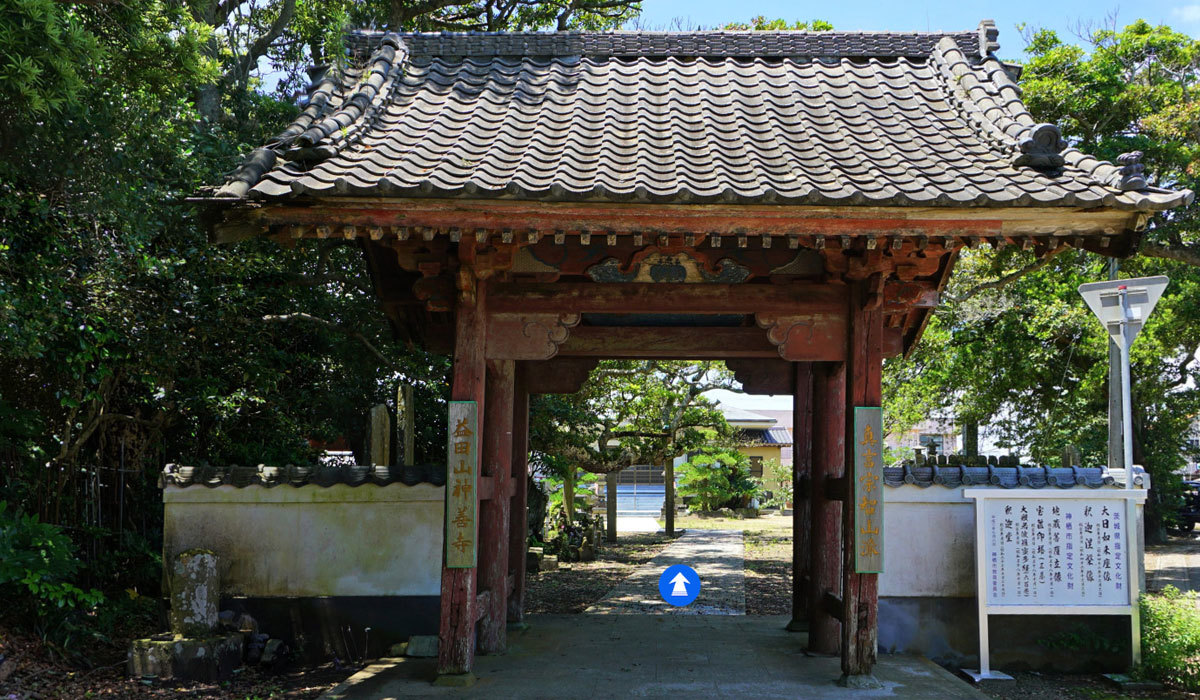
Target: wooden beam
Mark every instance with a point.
(829, 435)
(836, 488)
(715, 219)
(494, 535)
(698, 343)
(518, 527)
(762, 375)
(649, 298)
(561, 375)
(802, 398)
(832, 605)
(860, 592)
(459, 610)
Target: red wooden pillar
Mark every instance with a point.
(494, 512)
(829, 454)
(860, 592)
(518, 542)
(802, 398)
(456, 645)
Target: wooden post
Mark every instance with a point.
(518, 542)
(610, 500)
(802, 398)
(494, 523)
(860, 592)
(828, 450)
(669, 496)
(456, 646)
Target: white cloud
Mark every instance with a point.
(1187, 13)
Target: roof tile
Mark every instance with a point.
(781, 117)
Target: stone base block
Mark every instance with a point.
(190, 659)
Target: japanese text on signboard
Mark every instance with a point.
(868, 498)
(1061, 553)
(461, 498)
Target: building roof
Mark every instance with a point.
(735, 415)
(765, 436)
(799, 118)
(328, 475)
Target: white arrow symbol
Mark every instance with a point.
(680, 585)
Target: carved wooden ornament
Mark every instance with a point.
(806, 337)
(527, 336)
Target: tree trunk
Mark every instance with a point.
(610, 481)
(569, 495)
(669, 500)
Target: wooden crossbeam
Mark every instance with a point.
(649, 298)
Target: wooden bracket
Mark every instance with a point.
(806, 337)
(562, 375)
(875, 286)
(762, 375)
(527, 336)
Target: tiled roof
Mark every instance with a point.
(763, 117)
(631, 44)
(268, 476)
(1005, 472)
(779, 436)
(765, 436)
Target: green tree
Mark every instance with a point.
(762, 24)
(1013, 346)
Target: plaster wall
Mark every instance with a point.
(313, 541)
(927, 594)
(928, 543)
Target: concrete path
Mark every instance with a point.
(657, 656)
(717, 555)
(1176, 564)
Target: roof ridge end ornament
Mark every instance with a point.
(1132, 174)
(989, 36)
(1041, 148)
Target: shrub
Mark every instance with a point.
(718, 479)
(37, 566)
(1171, 638)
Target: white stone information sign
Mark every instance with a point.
(1055, 552)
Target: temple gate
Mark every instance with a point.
(789, 202)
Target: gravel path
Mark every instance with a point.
(718, 556)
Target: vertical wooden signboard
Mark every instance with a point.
(461, 497)
(868, 482)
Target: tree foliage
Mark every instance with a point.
(762, 24)
(1013, 346)
(630, 412)
(718, 478)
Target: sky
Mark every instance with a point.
(933, 15)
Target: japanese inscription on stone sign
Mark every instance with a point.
(461, 498)
(1056, 552)
(868, 498)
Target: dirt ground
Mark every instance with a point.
(574, 586)
(1030, 685)
(28, 673)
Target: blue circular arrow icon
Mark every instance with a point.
(679, 585)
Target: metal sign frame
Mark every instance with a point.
(1132, 499)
